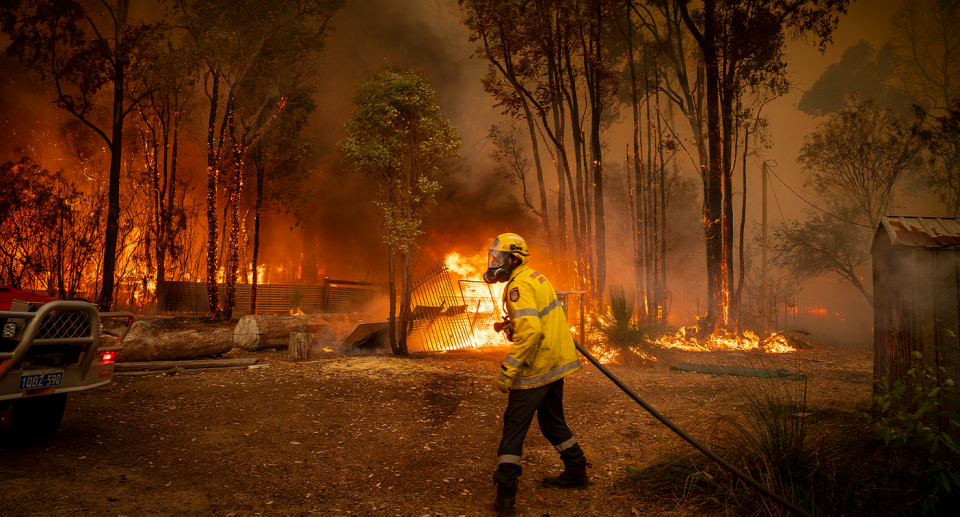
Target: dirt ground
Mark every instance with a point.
(371, 435)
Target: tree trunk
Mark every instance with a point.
(573, 104)
(260, 166)
(728, 139)
(213, 177)
(712, 202)
(649, 238)
(406, 290)
(116, 147)
(635, 220)
(596, 110)
(735, 303)
(233, 243)
(392, 317)
(169, 235)
(535, 147)
(716, 310)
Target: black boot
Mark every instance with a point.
(573, 475)
(506, 498)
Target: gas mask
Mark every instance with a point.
(499, 266)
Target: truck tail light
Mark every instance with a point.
(107, 357)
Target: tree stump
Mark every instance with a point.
(300, 345)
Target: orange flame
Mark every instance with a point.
(482, 300)
(685, 339)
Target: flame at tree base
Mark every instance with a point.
(721, 339)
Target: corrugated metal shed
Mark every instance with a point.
(916, 288)
(929, 232)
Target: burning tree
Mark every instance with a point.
(397, 135)
(279, 159)
(742, 43)
(83, 50)
(247, 50)
(38, 211)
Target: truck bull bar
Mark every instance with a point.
(35, 321)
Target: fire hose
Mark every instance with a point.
(766, 492)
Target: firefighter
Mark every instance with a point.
(541, 355)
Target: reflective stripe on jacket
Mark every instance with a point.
(543, 349)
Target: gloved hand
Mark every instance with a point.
(504, 383)
(506, 326)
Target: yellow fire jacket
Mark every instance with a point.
(543, 349)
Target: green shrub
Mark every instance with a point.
(917, 420)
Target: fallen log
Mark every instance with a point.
(143, 374)
(258, 331)
(199, 363)
(300, 345)
(146, 342)
(176, 371)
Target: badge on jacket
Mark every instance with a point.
(514, 294)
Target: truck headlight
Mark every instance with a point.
(9, 330)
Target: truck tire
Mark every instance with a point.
(35, 420)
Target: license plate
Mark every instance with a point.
(41, 379)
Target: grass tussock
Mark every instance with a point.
(624, 339)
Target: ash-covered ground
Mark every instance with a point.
(373, 435)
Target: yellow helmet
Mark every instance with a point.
(500, 249)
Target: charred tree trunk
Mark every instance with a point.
(579, 150)
(535, 147)
(116, 147)
(712, 209)
(213, 179)
(596, 111)
(728, 140)
(257, 215)
(662, 212)
(649, 238)
(239, 149)
(736, 301)
(635, 220)
(169, 232)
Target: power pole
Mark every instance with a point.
(763, 309)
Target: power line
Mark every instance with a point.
(811, 204)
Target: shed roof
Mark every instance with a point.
(928, 232)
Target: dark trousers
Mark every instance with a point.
(547, 403)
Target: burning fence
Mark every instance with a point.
(449, 318)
